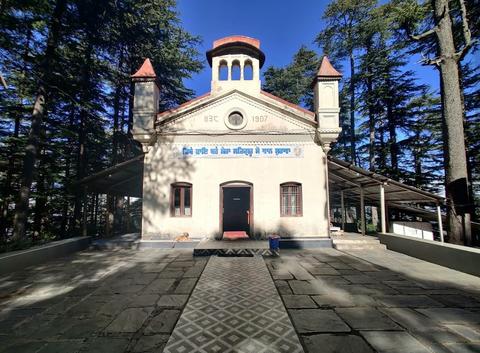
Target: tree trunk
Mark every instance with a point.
(66, 183)
(456, 176)
(33, 142)
(392, 141)
(371, 122)
(352, 110)
(82, 136)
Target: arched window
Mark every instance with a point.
(248, 70)
(223, 71)
(181, 200)
(236, 70)
(291, 199)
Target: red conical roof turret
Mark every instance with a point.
(327, 70)
(145, 71)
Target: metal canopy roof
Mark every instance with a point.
(344, 176)
(123, 179)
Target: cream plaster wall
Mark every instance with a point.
(206, 127)
(206, 175)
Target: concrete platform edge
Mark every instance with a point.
(457, 257)
(17, 260)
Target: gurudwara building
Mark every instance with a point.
(236, 159)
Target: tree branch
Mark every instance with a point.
(427, 61)
(424, 34)
(2, 81)
(467, 35)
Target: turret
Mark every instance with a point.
(145, 102)
(236, 62)
(326, 101)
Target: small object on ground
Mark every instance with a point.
(183, 237)
(235, 235)
(274, 243)
(336, 230)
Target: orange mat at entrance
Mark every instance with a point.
(235, 235)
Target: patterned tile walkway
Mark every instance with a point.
(234, 308)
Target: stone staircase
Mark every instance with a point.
(356, 242)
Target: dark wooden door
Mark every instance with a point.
(236, 209)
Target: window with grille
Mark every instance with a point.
(181, 200)
(291, 200)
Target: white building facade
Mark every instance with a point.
(236, 159)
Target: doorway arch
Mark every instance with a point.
(236, 206)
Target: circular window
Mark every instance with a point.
(235, 120)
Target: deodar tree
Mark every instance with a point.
(449, 50)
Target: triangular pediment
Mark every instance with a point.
(259, 113)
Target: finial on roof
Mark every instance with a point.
(327, 70)
(145, 71)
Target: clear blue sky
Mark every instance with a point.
(281, 26)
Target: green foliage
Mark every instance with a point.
(88, 97)
(292, 82)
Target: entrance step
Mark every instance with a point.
(235, 235)
(238, 247)
(357, 243)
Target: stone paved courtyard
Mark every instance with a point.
(130, 301)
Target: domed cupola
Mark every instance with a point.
(236, 63)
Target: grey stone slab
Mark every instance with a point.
(144, 278)
(323, 270)
(332, 280)
(345, 300)
(281, 274)
(153, 267)
(298, 301)
(359, 289)
(359, 279)
(150, 344)
(193, 272)
(142, 300)
(367, 319)
(394, 342)
(410, 319)
(171, 274)
(86, 327)
(380, 289)
(470, 333)
(282, 287)
(457, 301)
(113, 306)
(438, 335)
(364, 267)
(408, 301)
(71, 346)
(176, 264)
(129, 320)
(308, 287)
(20, 347)
(297, 271)
(340, 266)
(452, 315)
(317, 320)
(463, 347)
(164, 322)
(185, 286)
(329, 343)
(159, 286)
(172, 300)
(106, 345)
